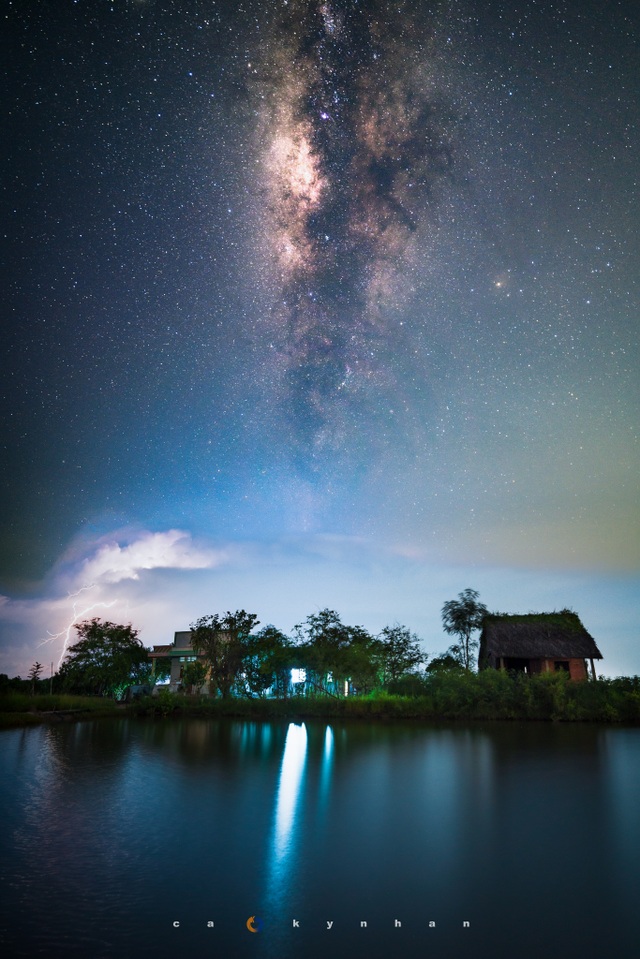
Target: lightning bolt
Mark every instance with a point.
(77, 615)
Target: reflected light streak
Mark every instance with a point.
(291, 772)
(327, 764)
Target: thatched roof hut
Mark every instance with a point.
(537, 642)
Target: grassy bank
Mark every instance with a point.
(448, 696)
(488, 695)
(19, 709)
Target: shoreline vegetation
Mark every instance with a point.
(446, 696)
(22, 709)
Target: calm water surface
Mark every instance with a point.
(116, 830)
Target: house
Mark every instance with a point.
(179, 653)
(538, 643)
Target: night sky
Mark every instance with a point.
(316, 304)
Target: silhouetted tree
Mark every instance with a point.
(34, 676)
(106, 658)
(193, 675)
(444, 663)
(460, 617)
(14, 685)
(266, 663)
(399, 652)
(361, 661)
(224, 642)
(334, 654)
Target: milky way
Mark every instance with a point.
(357, 139)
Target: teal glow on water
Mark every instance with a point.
(115, 830)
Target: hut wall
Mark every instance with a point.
(577, 669)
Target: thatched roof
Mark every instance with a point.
(536, 636)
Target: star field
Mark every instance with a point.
(347, 269)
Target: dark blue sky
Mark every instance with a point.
(345, 293)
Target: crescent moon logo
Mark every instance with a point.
(254, 924)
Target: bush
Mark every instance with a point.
(57, 702)
(18, 709)
(441, 695)
(410, 685)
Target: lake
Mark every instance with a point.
(126, 838)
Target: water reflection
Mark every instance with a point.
(287, 796)
(327, 765)
(622, 789)
(493, 824)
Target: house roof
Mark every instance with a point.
(159, 652)
(558, 635)
(181, 646)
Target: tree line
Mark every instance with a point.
(334, 658)
(326, 656)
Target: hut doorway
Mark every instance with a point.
(515, 664)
